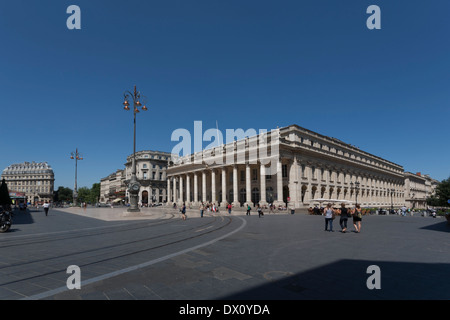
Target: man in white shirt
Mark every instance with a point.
(46, 207)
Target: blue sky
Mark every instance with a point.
(246, 64)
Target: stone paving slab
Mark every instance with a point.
(290, 257)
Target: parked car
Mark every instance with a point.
(99, 205)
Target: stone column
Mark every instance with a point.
(224, 187)
(188, 188)
(262, 192)
(213, 186)
(248, 185)
(235, 187)
(204, 186)
(174, 190)
(293, 185)
(168, 190)
(181, 191)
(279, 184)
(195, 188)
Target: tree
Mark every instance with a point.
(4, 194)
(442, 194)
(84, 194)
(65, 194)
(95, 192)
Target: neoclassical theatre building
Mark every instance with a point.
(290, 166)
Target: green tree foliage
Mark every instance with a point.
(64, 194)
(95, 192)
(84, 194)
(442, 194)
(89, 195)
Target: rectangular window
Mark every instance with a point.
(284, 171)
(255, 174)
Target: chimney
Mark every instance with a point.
(418, 174)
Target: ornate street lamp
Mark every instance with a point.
(75, 156)
(356, 190)
(392, 199)
(134, 185)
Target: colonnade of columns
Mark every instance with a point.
(223, 185)
(295, 184)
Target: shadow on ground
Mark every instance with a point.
(443, 226)
(22, 217)
(347, 280)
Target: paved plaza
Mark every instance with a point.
(232, 257)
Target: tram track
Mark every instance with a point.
(79, 233)
(187, 237)
(108, 247)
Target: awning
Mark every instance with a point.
(117, 200)
(331, 200)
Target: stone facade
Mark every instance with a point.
(305, 167)
(35, 179)
(113, 187)
(418, 188)
(151, 169)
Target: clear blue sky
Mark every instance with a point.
(247, 64)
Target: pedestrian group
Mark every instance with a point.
(344, 213)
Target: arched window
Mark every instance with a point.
(144, 197)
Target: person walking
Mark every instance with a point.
(357, 217)
(202, 208)
(260, 212)
(248, 209)
(329, 213)
(344, 214)
(46, 207)
(183, 211)
(229, 208)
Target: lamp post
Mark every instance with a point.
(392, 199)
(133, 185)
(77, 156)
(356, 190)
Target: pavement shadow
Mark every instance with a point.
(442, 226)
(22, 217)
(347, 280)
